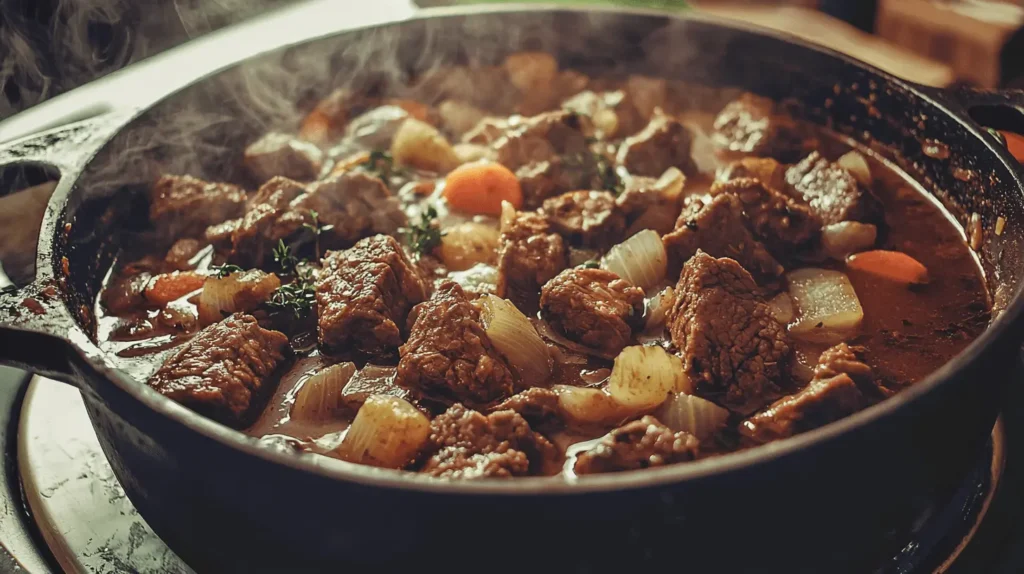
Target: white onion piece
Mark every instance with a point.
(516, 338)
(319, 397)
(387, 432)
(847, 237)
(420, 145)
(240, 291)
(508, 215)
(699, 417)
(782, 308)
(671, 183)
(583, 405)
(827, 308)
(642, 377)
(854, 162)
(641, 260)
(480, 278)
(658, 306)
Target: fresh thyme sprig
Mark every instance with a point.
(222, 271)
(297, 296)
(316, 228)
(286, 261)
(381, 164)
(424, 235)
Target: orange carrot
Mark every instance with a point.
(481, 187)
(167, 287)
(890, 265)
(1014, 144)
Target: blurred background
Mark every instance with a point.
(51, 46)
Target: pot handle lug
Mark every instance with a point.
(36, 323)
(992, 110)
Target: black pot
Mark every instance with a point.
(838, 499)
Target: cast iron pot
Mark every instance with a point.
(838, 499)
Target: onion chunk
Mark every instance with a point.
(240, 291)
(827, 308)
(699, 417)
(387, 432)
(516, 338)
(319, 397)
(589, 406)
(641, 260)
(643, 377)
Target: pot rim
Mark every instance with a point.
(342, 471)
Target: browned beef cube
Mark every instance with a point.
(594, 307)
(541, 180)
(664, 143)
(784, 224)
(467, 444)
(543, 137)
(766, 170)
(751, 125)
(832, 193)
(643, 443)
(849, 360)
(225, 371)
(253, 240)
(628, 119)
(732, 347)
(449, 356)
(278, 154)
(719, 229)
(821, 402)
(648, 205)
(181, 205)
(363, 295)
(529, 255)
(181, 253)
(586, 218)
(219, 235)
(539, 406)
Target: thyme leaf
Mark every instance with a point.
(425, 235)
(222, 271)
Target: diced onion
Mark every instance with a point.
(588, 406)
(658, 306)
(846, 237)
(782, 308)
(420, 145)
(467, 244)
(607, 121)
(641, 260)
(827, 307)
(671, 183)
(699, 417)
(642, 377)
(854, 162)
(319, 397)
(387, 432)
(240, 291)
(516, 338)
(508, 215)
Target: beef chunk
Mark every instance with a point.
(541, 180)
(664, 143)
(181, 205)
(281, 154)
(539, 406)
(449, 356)
(363, 295)
(766, 170)
(832, 193)
(627, 119)
(784, 224)
(640, 444)
(849, 360)
(224, 371)
(751, 125)
(529, 255)
(586, 218)
(370, 380)
(594, 307)
(719, 229)
(649, 203)
(219, 235)
(821, 402)
(467, 444)
(183, 250)
(353, 204)
(543, 137)
(731, 345)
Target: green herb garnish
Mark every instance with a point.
(424, 235)
(222, 271)
(316, 228)
(297, 296)
(286, 261)
(381, 164)
(591, 264)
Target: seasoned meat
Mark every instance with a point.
(363, 295)
(719, 229)
(219, 235)
(349, 206)
(783, 223)
(586, 218)
(664, 143)
(539, 406)
(751, 125)
(613, 113)
(183, 250)
(649, 205)
(821, 402)
(449, 356)
(731, 346)
(224, 371)
(849, 360)
(529, 255)
(467, 444)
(639, 444)
(184, 206)
(831, 192)
(541, 180)
(543, 137)
(593, 307)
(764, 169)
(284, 155)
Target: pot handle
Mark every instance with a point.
(36, 321)
(993, 110)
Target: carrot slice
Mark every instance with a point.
(892, 265)
(1014, 144)
(167, 287)
(481, 187)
